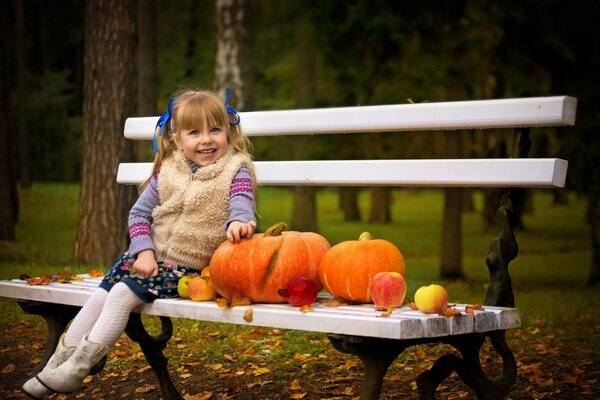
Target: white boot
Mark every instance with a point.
(33, 387)
(68, 377)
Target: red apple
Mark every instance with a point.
(431, 299)
(388, 289)
(300, 291)
(200, 289)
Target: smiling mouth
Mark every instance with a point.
(210, 151)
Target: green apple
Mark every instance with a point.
(183, 287)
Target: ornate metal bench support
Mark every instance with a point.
(152, 347)
(468, 368)
(376, 355)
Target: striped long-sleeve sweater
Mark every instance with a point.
(241, 208)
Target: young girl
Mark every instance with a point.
(201, 192)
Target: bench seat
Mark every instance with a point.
(359, 320)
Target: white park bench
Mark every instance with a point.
(357, 329)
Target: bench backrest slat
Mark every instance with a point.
(510, 172)
(476, 114)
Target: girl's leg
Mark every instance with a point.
(86, 318)
(114, 316)
(80, 325)
(111, 323)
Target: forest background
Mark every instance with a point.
(72, 72)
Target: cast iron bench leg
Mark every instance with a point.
(469, 368)
(376, 355)
(152, 347)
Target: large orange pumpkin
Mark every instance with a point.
(256, 268)
(347, 268)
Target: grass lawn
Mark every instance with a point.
(557, 347)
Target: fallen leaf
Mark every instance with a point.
(335, 302)
(221, 302)
(215, 367)
(119, 353)
(261, 371)
(248, 315)
(306, 308)
(200, 396)
(228, 357)
(145, 389)
(295, 385)
(471, 308)
(95, 273)
(40, 280)
(298, 396)
(8, 369)
(240, 301)
(450, 312)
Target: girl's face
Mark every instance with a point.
(203, 145)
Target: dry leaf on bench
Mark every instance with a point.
(471, 309)
(248, 315)
(450, 312)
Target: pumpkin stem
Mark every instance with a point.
(365, 236)
(276, 229)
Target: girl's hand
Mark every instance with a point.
(238, 230)
(145, 264)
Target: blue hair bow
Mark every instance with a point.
(231, 110)
(162, 121)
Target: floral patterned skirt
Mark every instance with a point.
(162, 286)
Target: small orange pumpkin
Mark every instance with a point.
(347, 268)
(256, 268)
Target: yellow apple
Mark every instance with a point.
(183, 287)
(388, 289)
(201, 289)
(431, 299)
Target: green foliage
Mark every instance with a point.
(54, 127)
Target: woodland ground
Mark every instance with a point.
(557, 346)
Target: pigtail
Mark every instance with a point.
(163, 142)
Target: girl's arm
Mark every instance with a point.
(140, 219)
(241, 222)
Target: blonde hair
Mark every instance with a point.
(190, 109)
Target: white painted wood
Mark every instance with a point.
(509, 172)
(476, 114)
(361, 320)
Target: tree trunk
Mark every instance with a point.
(8, 195)
(232, 66)
(451, 249)
(21, 100)
(381, 202)
(304, 214)
(349, 203)
(451, 255)
(109, 97)
(146, 58)
(147, 82)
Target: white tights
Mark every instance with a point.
(104, 316)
